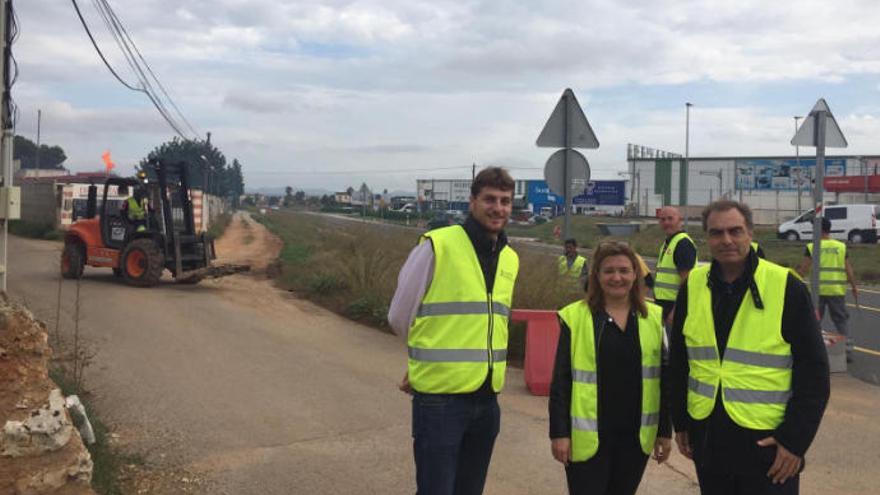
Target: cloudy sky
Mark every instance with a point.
(334, 93)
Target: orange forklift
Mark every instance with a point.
(107, 238)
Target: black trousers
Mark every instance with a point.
(735, 484)
(616, 469)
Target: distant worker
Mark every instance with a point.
(452, 303)
(678, 256)
(835, 272)
(572, 264)
(134, 209)
(757, 249)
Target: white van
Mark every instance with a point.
(853, 223)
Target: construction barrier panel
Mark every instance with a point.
(542, 335)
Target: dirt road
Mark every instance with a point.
(256, 392)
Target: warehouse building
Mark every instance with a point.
(777, 188)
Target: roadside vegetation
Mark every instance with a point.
(351, 267)
(34, 230)
(219, 224)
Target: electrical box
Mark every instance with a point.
(10, 203)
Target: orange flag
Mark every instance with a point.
(107, 161)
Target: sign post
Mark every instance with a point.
(819, 130)
(567, 128)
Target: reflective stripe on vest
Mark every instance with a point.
(754, 373)
(584, 387)
(460, 329)
(576, 267)
(135, 209)
(832, 267)
(668, 281)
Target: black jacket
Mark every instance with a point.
(609, 410)
(719, 444)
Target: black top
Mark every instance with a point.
(487, 253)
(685, 254)
(719, 444)
(486, 248)
(619, 387)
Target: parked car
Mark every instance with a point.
(407, 208)
(854, 223)
(441, 220)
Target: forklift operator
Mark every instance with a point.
(134, 210)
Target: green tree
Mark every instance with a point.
(208, 168)
(300, 197)
(288, 196)
(51, 157)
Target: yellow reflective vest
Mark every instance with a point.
(460, 329)
(576, 267)
(832, 267)
(754, 374)
(668, 281)
(584, 387)
(136, 211)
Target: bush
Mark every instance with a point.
(35, 230)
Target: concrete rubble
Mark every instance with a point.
(41, 451)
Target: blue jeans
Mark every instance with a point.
(453, 437)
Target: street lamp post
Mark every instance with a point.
(687, 154)
(797, 153)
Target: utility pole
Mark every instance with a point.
(5, 141)
(687, 155)
(39, 120)
(473, 171)
(797, 154)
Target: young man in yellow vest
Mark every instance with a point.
(677, 258)
(749, 377)
(453, 303)
(572, 264)
(835, 273)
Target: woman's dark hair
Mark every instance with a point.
(595, 298)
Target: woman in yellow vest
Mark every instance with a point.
(606, 414)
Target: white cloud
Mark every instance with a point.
(396, 84)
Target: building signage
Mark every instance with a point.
(783, 175)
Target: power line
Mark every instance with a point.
(128, 48)
(117, 29)
(147, 65)
(100, 53)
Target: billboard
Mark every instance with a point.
(783, 175)
(597, 192)
(603, 193)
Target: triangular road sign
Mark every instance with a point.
(580, 134)
(806, 135)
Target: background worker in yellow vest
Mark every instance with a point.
(134, 209)
(677, 258)
(835, 273)
(606, 411)
(453, 303)
(572, 264)
(749, 377)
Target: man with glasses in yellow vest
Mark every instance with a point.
(749, 377)
(835, 273)
(453, 303)
(677, 258)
